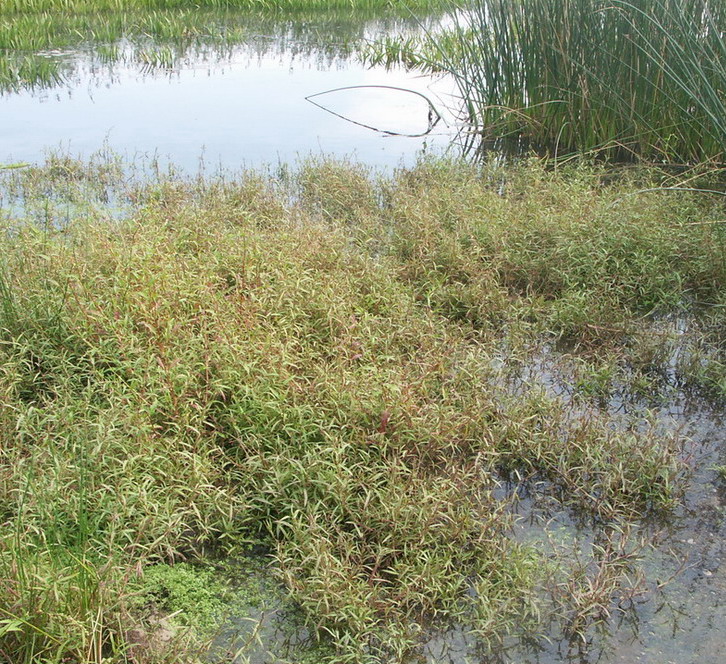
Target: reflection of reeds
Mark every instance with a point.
(638, 77)
(29, 41)
(42, 71)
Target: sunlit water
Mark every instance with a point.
(245, 109)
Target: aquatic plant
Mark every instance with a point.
(639, 78)
(92, 6)
(33, 35)
(309, 365)
(194, 594)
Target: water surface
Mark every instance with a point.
(231, 106)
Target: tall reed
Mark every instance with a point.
(624, 77)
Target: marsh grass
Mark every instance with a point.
(93, 6)
(622, 79)
(41, 49)
(309, 363)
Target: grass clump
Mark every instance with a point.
(596, 257)
(310, 364)
(621, 79)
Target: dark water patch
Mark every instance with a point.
(263, 624)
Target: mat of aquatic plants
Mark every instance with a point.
(453, 413)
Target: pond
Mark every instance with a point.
(234, 105)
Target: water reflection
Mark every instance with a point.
(232, 106)
(390, 110)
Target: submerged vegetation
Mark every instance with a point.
(317, 364)
(622, 78)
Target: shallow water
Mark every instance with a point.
(678, 615)
(232, 107)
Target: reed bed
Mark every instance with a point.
(40, 49)
(639, 78)
(307, 364)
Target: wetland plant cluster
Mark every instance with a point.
(317, 364)
(310, 364)
(621, 78)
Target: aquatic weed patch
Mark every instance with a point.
(311, 364)
(571, 254)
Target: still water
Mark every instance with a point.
(244, 107)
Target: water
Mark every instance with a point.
(678, 614)
(242, 106)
